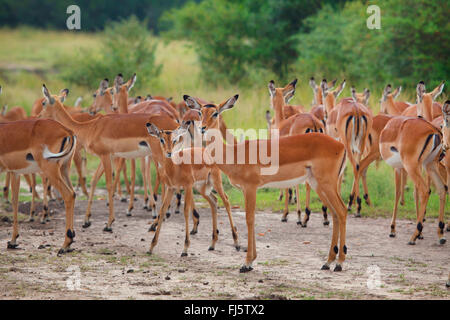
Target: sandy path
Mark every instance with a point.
(116, 266)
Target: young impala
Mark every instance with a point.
(314, 158)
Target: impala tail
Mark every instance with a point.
(67, 147)
(356, 130)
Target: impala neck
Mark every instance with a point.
(278, 104)
(65, 118)
(123, 102)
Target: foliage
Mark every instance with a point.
(234, 38)
(412, 44)
(125, 47)
(94, 14)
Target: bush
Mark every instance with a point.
(124, 47)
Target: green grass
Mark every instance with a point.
(32, 57)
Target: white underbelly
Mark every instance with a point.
(285, 183)
(395, 161)
(32, 168)
(139, 153)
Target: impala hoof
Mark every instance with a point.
(448, 228)
(338, 268)
(123, 200)
(420, 237)
(299, 223)
(411, 243)
(283, 219)
(211, 248)
(152, 228)
(357, 215)
(238, 248)
(325, 267)
(184, 254)
(392, 235)
(12, 245)
(168, 215)
(326, 223)
(442, 241)
(193, 232)
(86, 224)
(31, 220)
(107, 229)
(245, 269)
(145, 207)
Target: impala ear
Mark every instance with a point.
(78, 102)
(192, 102)
(5, 107)
(353, 90)
(63, 95)
(420, 89)
(397, 92)
(387, 91)
(131, 82)
(339, 89)
(312, 83)
(438, 90)
(272, 88)
(137, 99)
(228, 104)
(169, 99)
(152, 130)
(148, 97)
(103, 86)
(0, 89)
(118, 82)
(324, 88)
(48, 97)
(332, 84)
(289, 91)
(366, 96)
(446, 113)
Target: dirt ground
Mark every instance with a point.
(116, 266)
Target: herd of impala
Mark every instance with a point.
(313, 148)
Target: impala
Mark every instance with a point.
(35, 146)
(314, 158)
(426, 106)
(352, 122)
(108, 137)
(413, 144)
(187, 176)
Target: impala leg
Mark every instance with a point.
(299, 209)
(217, 181)
(144, 180)
(422, 198)
(195, 219)
(356, 188)
(177, 208)
(78, 161)
(398, 191)
(118, 164)
(307, 209)
(152, 204)
(404, 175)
(280, 196)
(157, 182)
(107, 165)
(57, 179)
(133, 182)
(6, 187)
(125, 177)
(188, 199)
(45, 213)
(250, 204)
(440, 188)
(15, 187)
(286, 205)
(33, 181)
(166, 201)
(33, 200)
(98, 173)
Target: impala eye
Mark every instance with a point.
(94, 95)
(215, 114)
(162, 141)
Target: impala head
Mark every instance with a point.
(446, 124)
(51, 102)
(387, 98)
(210, 112)
(192, 122)
(329, 97)
(168, 139)
(317, 90)
(361, 97)
(281, 96)
(425, 100)
(102, 98)
(120, 92)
